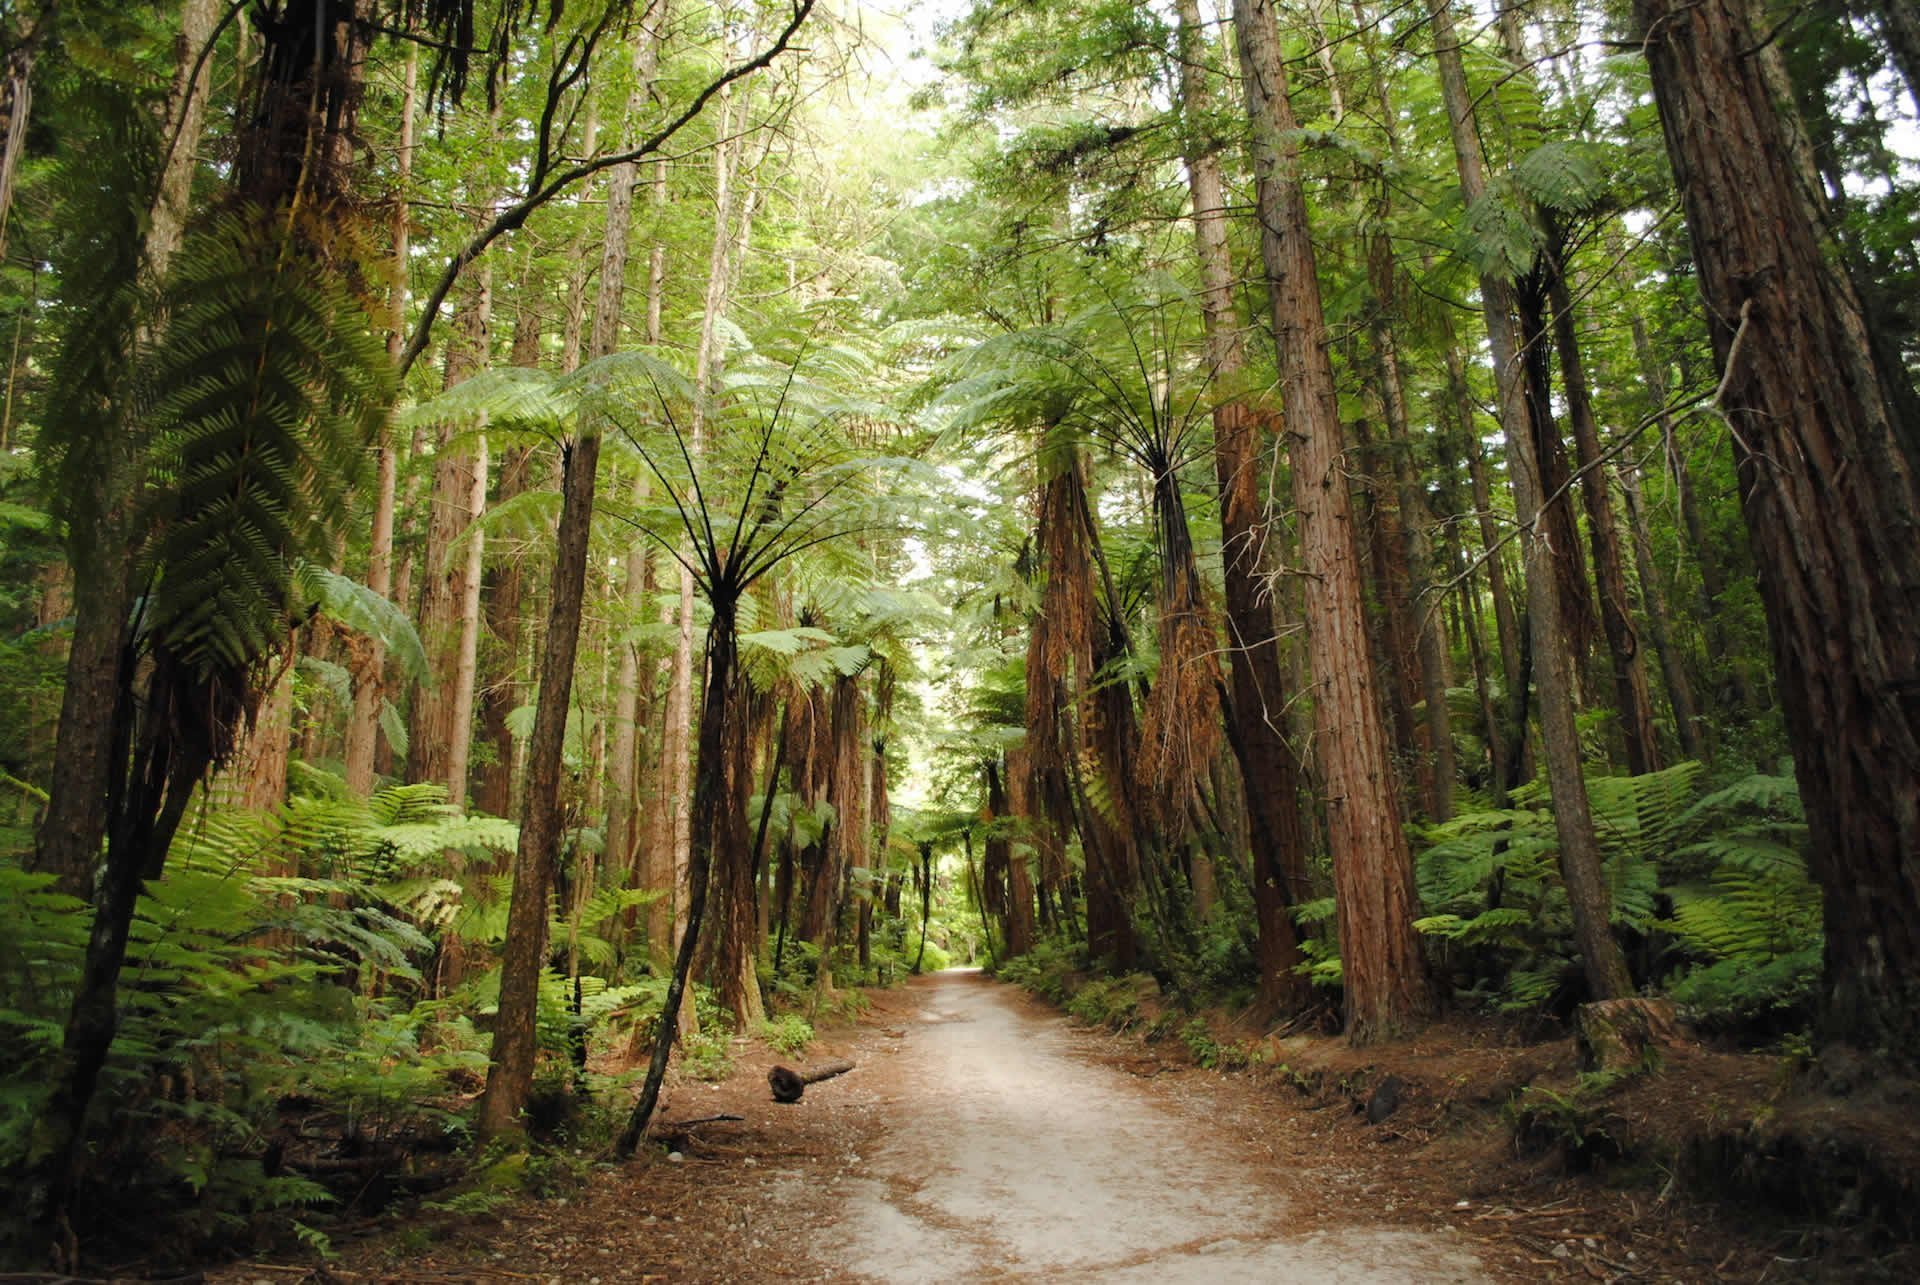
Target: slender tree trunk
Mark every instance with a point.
(1425, 623)
(467, 662)
(369, 661)
(710, 800)
(1386, 985)
(433, 726)
(1631, 697)
(621, 804)
(1653, 597)
(1829, 489)
(1017, 929)
(1606, 967)
(504, 594)
(510, 1078)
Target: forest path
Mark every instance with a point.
(1008, 1150)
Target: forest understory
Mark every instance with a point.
(553, 554)
(1494, 1155)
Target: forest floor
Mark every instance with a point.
(981, 1135)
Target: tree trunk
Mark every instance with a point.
(510, 1078)
(624, 760)
(369, 661)
(1829, 490)
(505, 595)
(1382, 553)
(1606, 967)
(710, 799)
(1427, 626)
(467, 662)
(1631, 697)
(433, 726)
(1254, 705)
(1017, 922)
(1686, 717)
(1386, 985)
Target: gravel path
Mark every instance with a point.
(1008, 1151)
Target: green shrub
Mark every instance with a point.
(790, 1034)
(1200, 1043)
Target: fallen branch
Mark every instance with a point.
(788, 1084)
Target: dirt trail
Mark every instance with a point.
(1008, 1151)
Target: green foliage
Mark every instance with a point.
(1113, 1002)
(1721, 873)
(266, 388)
(789, 1033)
(1051, 969)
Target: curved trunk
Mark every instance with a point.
(710, 800)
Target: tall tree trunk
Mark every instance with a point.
(1256, 701)
(1424, 607)
(433, 725)
(68, 843)
(1017, 922)
(1631, 697)
(466, 673)
(1559, 534)
(369, 660)
(1829, 489)
(505, 595)
(710, 801)
(1686, 715)
(1386, 985)
(1382, 554)
(624, 760)
(510, 1077)
(1606, 967)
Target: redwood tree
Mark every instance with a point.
(1829, 488)
(1385, 980)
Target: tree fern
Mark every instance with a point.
(267, 385)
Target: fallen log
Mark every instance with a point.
(788, 1084)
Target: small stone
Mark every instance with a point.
(1563, 1250)
(1463, 1204)
(675, 1157)
(751, 1161)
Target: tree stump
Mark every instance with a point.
(1616, 1034)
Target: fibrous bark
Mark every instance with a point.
(1385, 979)
(1829, 489)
